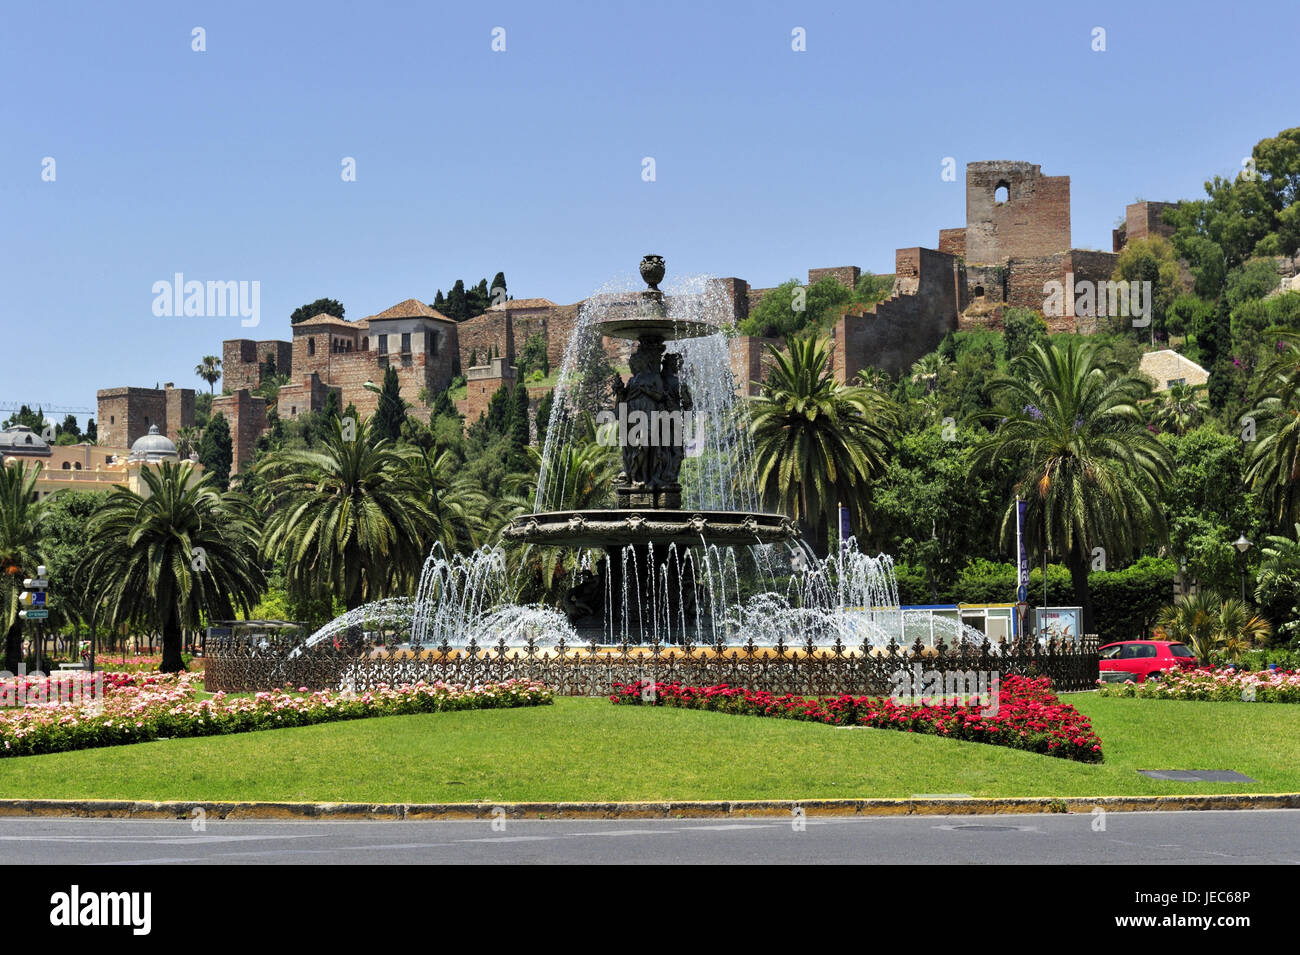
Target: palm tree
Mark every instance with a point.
(872, 377)
(1091, 472)
(1193, 620)
(187, 441)
(1240, 629)
(352, 515)
(1181, 408)
(184, 550)
(929, 369)
(22, 518)
(209, 369)
(817, 443)
(1275, 454)
(459, 508)
(1211, 625)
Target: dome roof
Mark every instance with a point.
(20, 439)
(153, 447)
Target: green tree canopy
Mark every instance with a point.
(326, 306)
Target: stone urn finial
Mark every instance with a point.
(652, 270)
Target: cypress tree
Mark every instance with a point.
(544, 417)
(216, 451)
(519, 422)
(457, 307)
(391, 411)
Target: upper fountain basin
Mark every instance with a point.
(618, 528)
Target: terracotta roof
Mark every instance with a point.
(523, 303)
(411, 308)
(324, 318)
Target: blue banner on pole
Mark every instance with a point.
(844, 522)
(1022, 558)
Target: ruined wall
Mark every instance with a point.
(846, 275)
(241, 360)
(178, 410)
(953, 242)
(1033, 221)
(748, 366)
(1145, 219)
(246, 415)
(308, 394)
(482, 382)
(1026, 278)
(899, 330)
(480, 334)
(987, 283)
(736, 291)
(125, 414)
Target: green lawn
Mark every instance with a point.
(582, 749)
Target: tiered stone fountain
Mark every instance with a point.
(645, 583)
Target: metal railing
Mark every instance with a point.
(363, 661)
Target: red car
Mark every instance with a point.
(1141, 658)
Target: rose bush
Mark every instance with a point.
(1223, 685)
(1028, 716)
(164, 706)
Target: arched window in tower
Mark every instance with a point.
(1001, 193)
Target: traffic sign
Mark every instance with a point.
(36, 583)
(32, 598)
(34, 614)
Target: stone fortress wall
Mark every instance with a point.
(1016, 238)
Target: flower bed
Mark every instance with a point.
(159, 707)
(1225, 686)
(68, 686)
(1028, 716)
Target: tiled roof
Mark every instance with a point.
(523, 303)
(324, 318)
(411, 308)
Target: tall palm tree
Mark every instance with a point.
(817, 443)
(163, 560)
(353, 516)
(209, 369)
(22, 520)
(1274, 456)
(1181, 408)
(1071, 424)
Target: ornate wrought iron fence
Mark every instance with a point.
(235, 665)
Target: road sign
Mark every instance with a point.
(34, 614)
(36, 583)
(32, 598)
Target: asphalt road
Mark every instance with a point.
(1218, 838)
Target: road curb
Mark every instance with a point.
(325, 811)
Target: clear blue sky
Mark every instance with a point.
(225, 164)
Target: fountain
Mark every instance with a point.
(645, 587)
(679, 552)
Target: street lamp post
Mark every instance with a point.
(1242, 544)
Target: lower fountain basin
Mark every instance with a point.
(618, 528)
